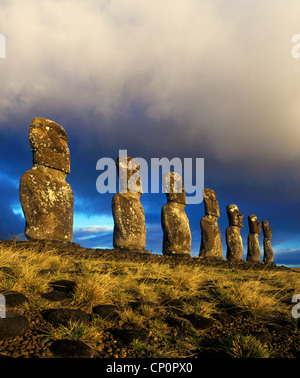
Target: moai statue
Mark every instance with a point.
(46, 198)
(268, 250)
(128, 212)
(174, 221)
(211, 244)
(233, 233)
(253, 251)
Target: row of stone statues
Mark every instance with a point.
(47, 202)
(211, 245)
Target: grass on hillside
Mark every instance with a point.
(204, 290)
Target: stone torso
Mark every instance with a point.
(129, 221)
(47, 202)
(176, 228)
(234, 243)
(211, 243)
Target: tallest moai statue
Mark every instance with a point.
(46, 198)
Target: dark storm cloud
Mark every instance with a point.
(204, 70)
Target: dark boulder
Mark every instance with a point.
(13, 325)
(65, 348)
(14, 298)
(65, 315)
(63, 285)
(108, 312)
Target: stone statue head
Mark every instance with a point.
(49, 144)
(254, 224)
(234, 216)
(210, 203)
(173, 187)
(267, 230)
(129, 177)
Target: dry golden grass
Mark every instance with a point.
(100, 281)
(203, 290)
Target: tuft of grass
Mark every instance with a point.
(187, 278)
(72, 331)
(131, 317)
(250, 294)
(240, 346)
(94, 289)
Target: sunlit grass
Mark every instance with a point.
(200, 290)
(240, 346)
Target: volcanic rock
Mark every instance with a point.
(14, 298)
(13, 325)
(65, 315)
(65, 348)
(107, 311)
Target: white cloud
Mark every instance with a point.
(223, 70)
(93, 229)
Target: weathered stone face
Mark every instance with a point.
(233, 233)
(129, 178)
(253, 251)
(49, 144)
(267, 230)
(234, 216)
(128, 212)
(174, 221)
(268, 250)
(211, 204)
(211, 244)
(46, 198)
(254, 225)
(174, 188)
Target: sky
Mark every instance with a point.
(207, 79)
